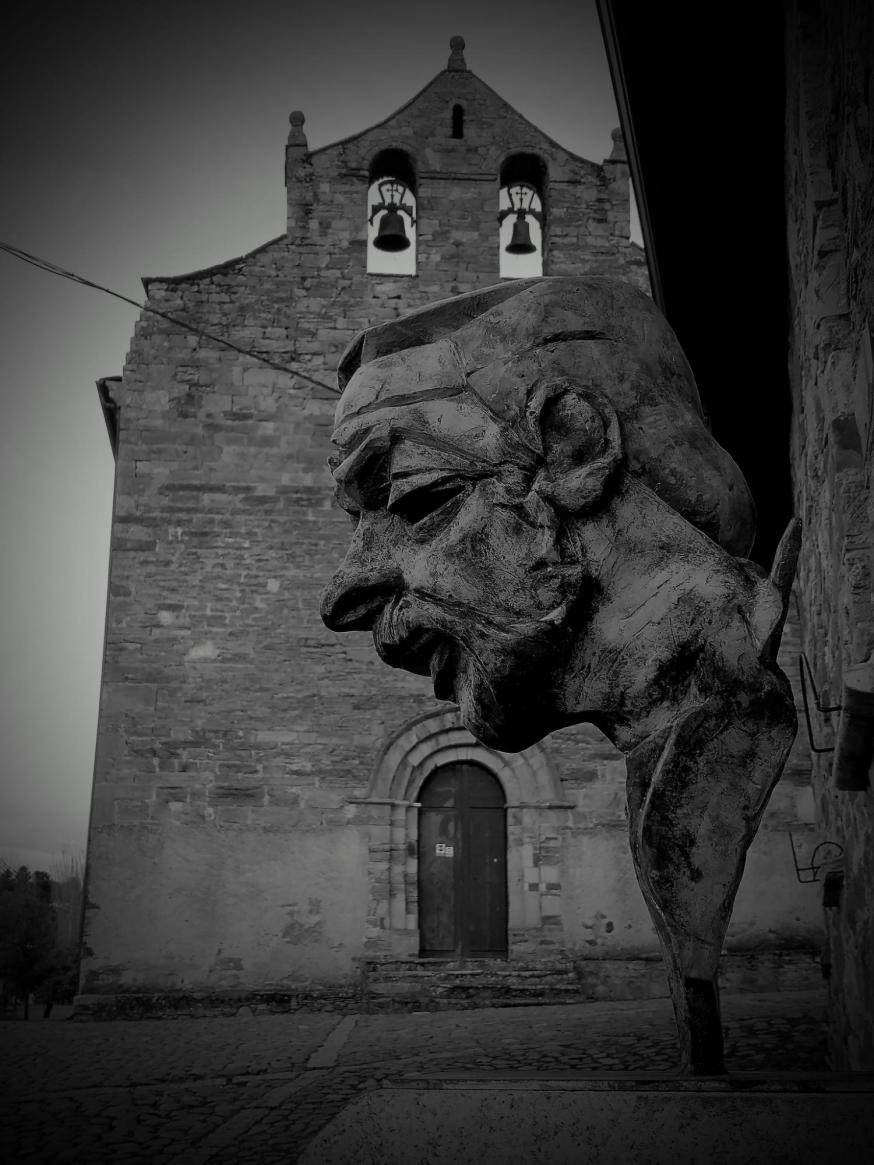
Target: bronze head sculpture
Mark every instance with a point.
(545, 526)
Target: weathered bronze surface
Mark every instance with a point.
(544, 525)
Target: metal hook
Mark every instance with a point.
(814, 866)
(803, 662)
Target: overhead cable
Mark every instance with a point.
(54, 269)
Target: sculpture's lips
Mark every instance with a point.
(425, 653)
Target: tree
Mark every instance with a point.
(28, 932)
(68, 875)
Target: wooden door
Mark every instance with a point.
(462, 863)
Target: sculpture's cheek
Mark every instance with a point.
(473, 574)
(489, 557)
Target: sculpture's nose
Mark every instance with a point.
(353, 602)
(366, 581)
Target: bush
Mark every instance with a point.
(29, 955)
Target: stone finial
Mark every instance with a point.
(456, 58)
(296, 136)
(618, 153)
(295, 150)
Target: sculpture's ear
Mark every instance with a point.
(581, 442)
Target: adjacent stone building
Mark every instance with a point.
(796, 300)
(830, 210)
(260, 824)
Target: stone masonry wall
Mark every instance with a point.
(830, 153)
(234, 728)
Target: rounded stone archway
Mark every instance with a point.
(438, 738)
(537, 811)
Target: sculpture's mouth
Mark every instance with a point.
(443, 671)
(425, 653)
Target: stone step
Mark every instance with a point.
(476, 990)
(473, 973)
(412, 982)
(464, 967)
(436, 983)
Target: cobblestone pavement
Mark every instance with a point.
(256, 1089)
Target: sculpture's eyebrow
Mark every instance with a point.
(362, 476)
(402, 400)
(571, 334)
(422, 453)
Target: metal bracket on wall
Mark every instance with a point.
(815, 866)
(824, 708)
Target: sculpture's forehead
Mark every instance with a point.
(465, 392)
(497, 357)
(420, 396)
(403, 379)
(428, 434)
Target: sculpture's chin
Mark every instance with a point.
(491, 705)
(501, 737)
(496, 727)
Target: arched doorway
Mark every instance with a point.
(462, 863)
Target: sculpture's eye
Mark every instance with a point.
(415, 502)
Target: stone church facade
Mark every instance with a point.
(260, 825)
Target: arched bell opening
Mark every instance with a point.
(462, 869)
(521, 215)
(391, 214)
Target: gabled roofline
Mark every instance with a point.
(226, 264)
(147, 280)
(376, 125)
(352, 137)
(109, 408)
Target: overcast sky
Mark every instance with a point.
(149, 140)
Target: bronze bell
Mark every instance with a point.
(392, 235)
(520, 243)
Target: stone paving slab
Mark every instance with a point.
(592, 1035)
(230, 1091)
(689, 1122)
(127, 1052)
